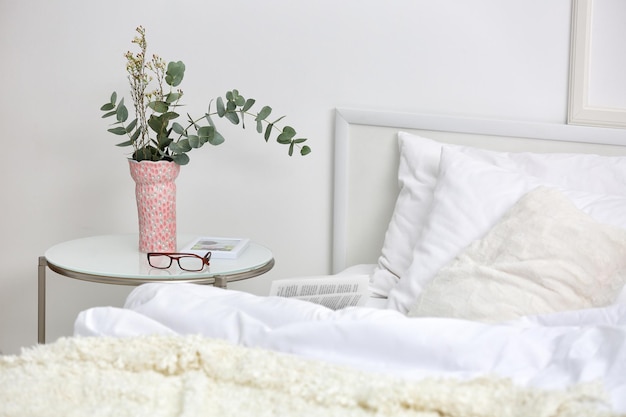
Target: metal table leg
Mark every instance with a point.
(41, 300)
(220, 281)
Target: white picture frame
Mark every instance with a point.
(220, 247)
(587, 102)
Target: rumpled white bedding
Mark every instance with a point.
(551, 351)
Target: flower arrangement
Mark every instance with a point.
(155, 134)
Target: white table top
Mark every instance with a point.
(116, 258)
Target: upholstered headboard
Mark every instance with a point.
(366, 163)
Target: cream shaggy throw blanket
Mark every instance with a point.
(194, 376)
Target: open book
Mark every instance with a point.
(332, 292)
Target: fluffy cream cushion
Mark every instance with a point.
(544, 256)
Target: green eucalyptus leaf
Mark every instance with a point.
(206, 132)
(262, 115)
(107, 106)
(173, 97)
(131, 126)
(175, 73)
(221, 110)
(286, 136)
(117, 130)
(181, 146)
(240, 101)
(305, 150)
(163, 141)
(216, 139)
(229, 95)
(278, 120)
(159, 106)
(268, 131)
(230, 106)
(290, 131)
(113, 98)
(109, 114)
(126, 143)
(175, 146)
(170, 115)
(299, 140)
(249, 103)
(157, 124)
(178, 129)
(259, 126)
(291, 145)
(121, 112)
(185, 145)
(234, 119)
(194, 141)
(181, 158)
(135, 136)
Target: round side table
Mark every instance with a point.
(115, 259)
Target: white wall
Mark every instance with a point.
(62, 178)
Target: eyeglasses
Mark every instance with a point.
(186, 261)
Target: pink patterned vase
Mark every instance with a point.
(155, 191)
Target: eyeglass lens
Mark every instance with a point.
(158, 260)
(190, 263)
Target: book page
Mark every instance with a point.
(332, 292)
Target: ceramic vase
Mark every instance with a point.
(155, 190)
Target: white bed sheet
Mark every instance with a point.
(552, 351)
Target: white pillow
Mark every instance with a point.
(544, 256)
(417, 176)
(469, 198)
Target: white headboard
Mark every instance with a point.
(366, 163)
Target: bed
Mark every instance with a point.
(496, 258)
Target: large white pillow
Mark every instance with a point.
(417, 176)
(469, 198)
(543, 256)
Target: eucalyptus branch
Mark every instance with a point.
(149, 135)
(233, 115)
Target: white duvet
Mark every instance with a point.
(552, 351)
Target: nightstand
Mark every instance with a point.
(115, 259)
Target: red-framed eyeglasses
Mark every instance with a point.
(186, 261)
